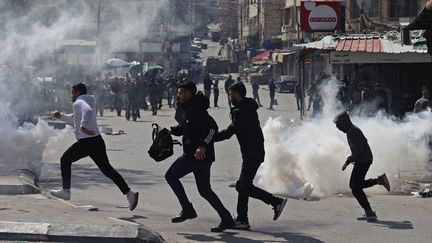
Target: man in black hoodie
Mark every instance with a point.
(246, 126)
(361, 157)
(198, 129)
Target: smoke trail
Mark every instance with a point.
(311, 154)
(23, 147)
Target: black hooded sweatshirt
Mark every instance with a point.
(246, 126)
(197, 127)
(360, 150)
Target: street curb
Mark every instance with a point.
(76, 232)
(23, 182)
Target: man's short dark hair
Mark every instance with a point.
(80, 88)
(189, 86)
(238, 87)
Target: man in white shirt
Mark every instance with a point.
(89, 143)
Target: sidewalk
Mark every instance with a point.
(39, 217)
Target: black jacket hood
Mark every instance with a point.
(343, 122)
(199, 100)
(248, 103)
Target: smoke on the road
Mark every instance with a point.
(30, 36)
(307, 158)
(23, 147)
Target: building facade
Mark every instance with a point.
(259, 22)
(392, 12)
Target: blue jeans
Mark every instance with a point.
(201, 170)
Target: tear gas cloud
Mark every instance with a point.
(306, 159)
(23, 147)
(30, 37)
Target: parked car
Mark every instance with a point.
(286, 84)
(195, 54)
(195, 48)
(217, 66)
(197, 41)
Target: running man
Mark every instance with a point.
(89, 143)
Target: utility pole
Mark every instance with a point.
(241, 24)
(99, 54)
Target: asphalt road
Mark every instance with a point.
(331, 219)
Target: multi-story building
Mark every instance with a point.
(259, 22)
(393, 12)
(290, 31)
(228, 17)
(140, 30)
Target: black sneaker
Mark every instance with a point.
(278, 208)
(383, 181)
(184, 215)
(241, 224)
(225, 224)
(369, 216)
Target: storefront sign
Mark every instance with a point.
(320, 16)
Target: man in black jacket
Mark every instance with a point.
(228, 83)
(207, 85)
(246, 126)
(272, 88)
(198, 129)
(361, 157)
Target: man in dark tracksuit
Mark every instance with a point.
(228, 83)
(272, 88)
(246, 126)
(361, 157)
(207, 85)
(154, 92)
(198, 129)
(216, 93)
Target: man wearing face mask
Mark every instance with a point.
(90, 143)
(246, 126)
(197, 128)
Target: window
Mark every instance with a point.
(287, 17)
(402, 8)
(370, 8)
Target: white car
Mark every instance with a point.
(197, 41)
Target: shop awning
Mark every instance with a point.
(279, 56)
(261, 57)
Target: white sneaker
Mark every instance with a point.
(132, 198)
(61, 193)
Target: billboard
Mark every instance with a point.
(320, 16)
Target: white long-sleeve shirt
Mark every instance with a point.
(84, 115)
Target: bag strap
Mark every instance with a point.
(156, 129)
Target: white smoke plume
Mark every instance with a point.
(23, 147)
(36, 29)
(306, 159)
(30, 37)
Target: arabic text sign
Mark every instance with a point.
(319, 16)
